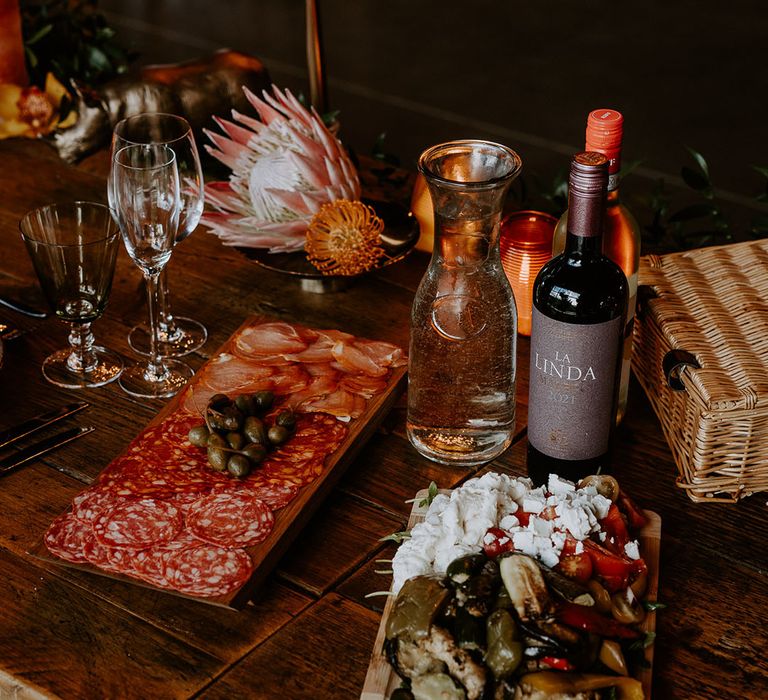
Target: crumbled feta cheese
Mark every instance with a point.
(558, 486)
(632, 549)
(456, 525)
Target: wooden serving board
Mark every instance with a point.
(290, 520)
(381, 679)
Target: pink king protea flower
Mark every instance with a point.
(284, 168)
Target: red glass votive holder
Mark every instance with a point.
(526, 244)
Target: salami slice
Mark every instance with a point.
(138, 524)
(274, 494)
(65, 538)
(207, 570)
(231, 519)
(91, 504)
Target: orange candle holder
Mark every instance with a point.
(526, 245)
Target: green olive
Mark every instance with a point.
(235, 440)
(255, 430)
(246, 405)
(255, 452)
(277, 434)
(217, 458)
(198, 435)
(606, 485)
(239, 466)
(263, 400)
(286, 419)
(218, 401)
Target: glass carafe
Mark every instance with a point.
(461, 381)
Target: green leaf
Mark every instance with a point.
(702, 163)
(31, 57)
(629, 166)
(651, 605)
(762, 169)
(396, 537)
(39, 34)
(431, 493)
(98, 59)
(693, 211)
(644, 642)
(694, 180)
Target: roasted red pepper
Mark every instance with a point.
(614, 570)
(590, 620)
(616, 530)
(557, 663)
(635, 516)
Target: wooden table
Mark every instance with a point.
(310, 634)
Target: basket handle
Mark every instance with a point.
(673, 363)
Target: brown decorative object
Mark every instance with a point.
(701, 354)
(344, 238)
(195, 90)
(13, 69)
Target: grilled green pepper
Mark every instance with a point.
(504, 652)
(420, 601)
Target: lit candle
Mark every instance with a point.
(525, 244)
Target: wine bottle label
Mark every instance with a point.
(572, 383)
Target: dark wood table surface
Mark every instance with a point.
(309, 634)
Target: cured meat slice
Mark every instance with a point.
(340, 403)
(138, 524)
(321, 349)
(91, 504)
(363, 385)
(275, 495)
(229, 374)
(231, 519)
(275, 338)
(383, 354)
(65, 538)
(289, 379)
(319, 386)
(351, 358)
(207, 570)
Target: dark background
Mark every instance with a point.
(684, 73)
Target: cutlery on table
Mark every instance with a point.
(32, 425)
(42, 448)
(23, 308)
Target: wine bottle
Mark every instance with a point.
(621, 234)
(579, 313)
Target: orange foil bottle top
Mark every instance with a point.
(605, 128)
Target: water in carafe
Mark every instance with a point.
(461, 386)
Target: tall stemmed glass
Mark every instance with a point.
(179, 335)
(73, 248)
(144, 194)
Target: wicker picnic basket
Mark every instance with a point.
(701, 354)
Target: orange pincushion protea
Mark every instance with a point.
(344, 238)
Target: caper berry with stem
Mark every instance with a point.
(219, 401)
(277, 434)
(199, 435)
(263, 400)
(246, 405)
(255, 452)
(255, 430)
(235, 440)
(286, 419)
(239, 465)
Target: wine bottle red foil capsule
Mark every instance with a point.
(587, 184)
(605, 131)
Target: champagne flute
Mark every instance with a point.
(179, 335)
(73, 248)
(144, 194)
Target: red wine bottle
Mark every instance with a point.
(579, 312)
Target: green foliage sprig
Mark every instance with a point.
(72, 40)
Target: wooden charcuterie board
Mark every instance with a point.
(381, 679)
(289, 520)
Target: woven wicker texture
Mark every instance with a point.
(712, 303)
